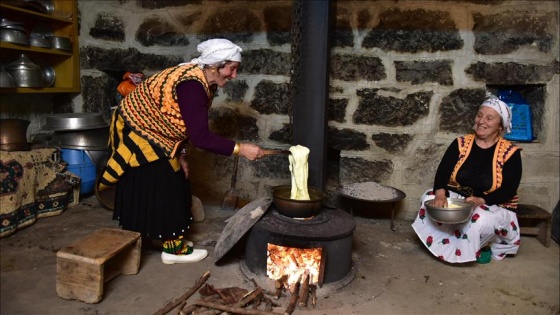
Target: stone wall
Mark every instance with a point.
(406, 79)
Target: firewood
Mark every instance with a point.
(304, 290)
(184, 297)
(233, 310)
(267, 304)
(259, 298)
(280, 282)
(293, 299)
(313, 293)
(180, 308)
(249, 297)
(188, 309)
(279, 285)
(294, 260)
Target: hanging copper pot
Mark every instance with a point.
(13, 135)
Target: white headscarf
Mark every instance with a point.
(217, 50)
(503, 109)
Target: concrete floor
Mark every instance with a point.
(394, 273)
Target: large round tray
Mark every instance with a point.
(398, 194)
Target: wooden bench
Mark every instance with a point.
(83, 267)
(534, 220)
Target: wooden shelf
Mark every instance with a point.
(60, 15)
(63, 22)
(25, 48)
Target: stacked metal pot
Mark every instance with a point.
(80, 131)
(83, 140)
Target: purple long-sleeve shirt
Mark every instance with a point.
(193, 103)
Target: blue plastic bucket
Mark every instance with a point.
(80, 164)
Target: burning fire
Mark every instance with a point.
(293, 262)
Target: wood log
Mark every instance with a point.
(181, 307)
(184, 297)
(260, 298)
(279, 284)
(293, 299)
(313, 293)
(248, 298)
(188, 309)
(294, 260)
(234, 310)
(304, 290)
(267, 304)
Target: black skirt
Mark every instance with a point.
(154, 200)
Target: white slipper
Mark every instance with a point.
(196, 255)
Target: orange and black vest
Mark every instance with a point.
(147, 118)
(504, 150)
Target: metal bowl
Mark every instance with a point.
(14, 36)
(38, 40)
(47, 71)
(297, 208)
(59, 42)
(75, 121)
(457, 211)
(42, 6)
(13, 27)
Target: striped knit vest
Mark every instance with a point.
(152, 111)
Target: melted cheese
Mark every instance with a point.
(300, 171)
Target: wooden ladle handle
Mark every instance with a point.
(272, 152)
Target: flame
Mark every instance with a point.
(294, 262)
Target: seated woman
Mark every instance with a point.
(485, 169)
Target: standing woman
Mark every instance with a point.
(485, 169)
(149, 132)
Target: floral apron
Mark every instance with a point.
(459, 243)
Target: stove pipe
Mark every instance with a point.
(310, 83)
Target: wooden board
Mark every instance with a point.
(239, 224)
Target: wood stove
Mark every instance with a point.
(331, 230)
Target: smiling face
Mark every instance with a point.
(487, 124)
(221, 75)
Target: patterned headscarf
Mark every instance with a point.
(217, 50)
(502, 109)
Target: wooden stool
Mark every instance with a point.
(534, 220)
(84, 266)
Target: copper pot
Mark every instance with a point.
(13, 135)
(297, 208)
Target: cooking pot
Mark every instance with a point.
(13, 135)
(91, 139)
(297, 208)
(25, 73)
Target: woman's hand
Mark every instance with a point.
(250, 151)
(184, 164)
(478, 201)
(440, 200)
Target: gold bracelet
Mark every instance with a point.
(236, 149)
